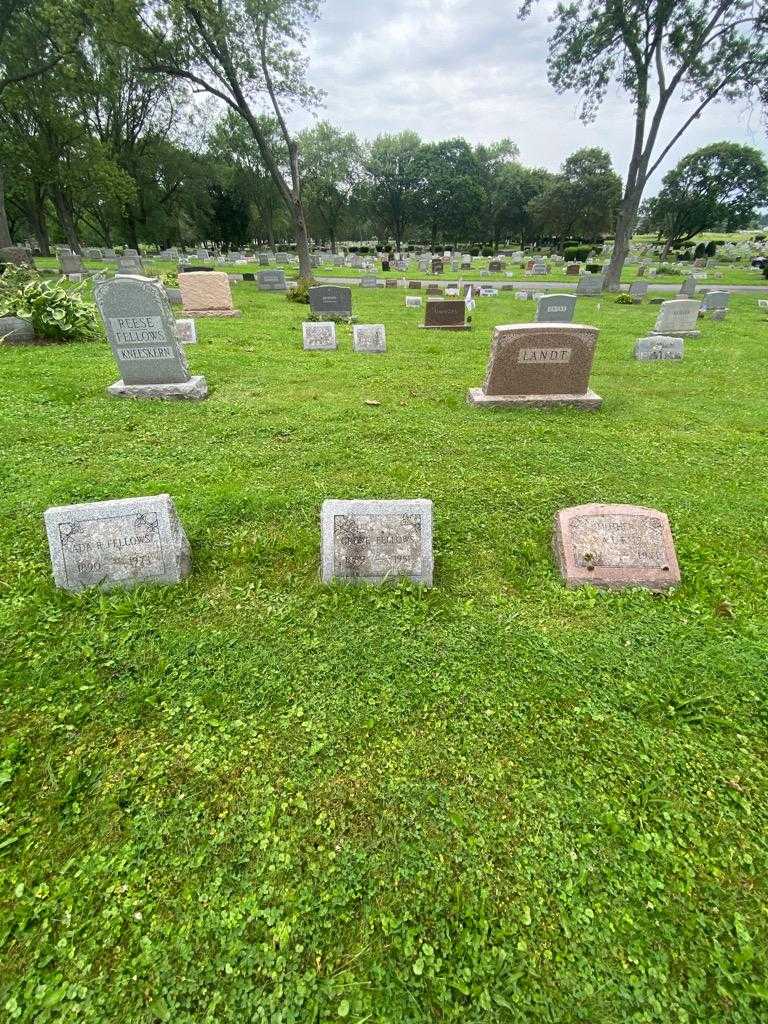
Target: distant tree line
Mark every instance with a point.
(164, 122)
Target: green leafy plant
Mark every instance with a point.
(170, 278)
(625, 299)
(300, 292)
(56, 311)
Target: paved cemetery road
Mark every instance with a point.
(560, 286)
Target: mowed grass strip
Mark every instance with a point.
(251, 797)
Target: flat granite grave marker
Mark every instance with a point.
(186, 329)
(331, 298)
(207, 294)
(142, 334)
(615, 546)
(413, 301)
(389, 283)
(376, 541)
(271, 281)
(369, 282)
(415, 285)
(118, 543)
(539, 365)
(369, 338)
(555, 309)
(573, 270)
(445, 315)
(678, 318)
(658, 347)
(319, 336)
(715, 301)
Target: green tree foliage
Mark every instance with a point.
(656, 52)
(332, 171)
(582, 200)
(241, 52)
(452, 194)
(717, 187)
(395, 191)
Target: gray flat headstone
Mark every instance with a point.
(319, 336)
(377, 541)
(658, 347)
(117, 543)
(369, 338)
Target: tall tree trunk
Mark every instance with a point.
(625, 226)
(302, 241)
(38, 219)
(66, 219)
(5, 231)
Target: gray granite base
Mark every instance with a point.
(675, 333)
(195, 389)
(589, 401)
(211, 312)
(444, 327)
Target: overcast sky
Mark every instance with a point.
(460, 67)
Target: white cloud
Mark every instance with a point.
(456, 67)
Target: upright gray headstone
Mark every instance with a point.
(330, 298)
(638, 290)
(590, 285)
(555, 309)
(142, 333)
(715, 301)
(377, 541)
(678, 318)
(272, 281)
(688, 288)
(118, 543)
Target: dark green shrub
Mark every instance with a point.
(300, 292)
(577, 253)
(57, 311)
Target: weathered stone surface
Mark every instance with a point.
(369, 338)
(142, 335)
(638, 290)
(716, 300)
(377, 541)
(590, 285)
(186, 330)
(658, 347)
(688, 288)
(615, 546)
(319, 336)
(118, 543)
(413, 301)
(16, 256)
(272, 281)
(330, 298)
(445, 314)
(207, 294)
(555, 309)
(539, 365)
(678, 318)
(195, 389)
(15, 330)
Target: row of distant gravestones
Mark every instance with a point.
(140, 540)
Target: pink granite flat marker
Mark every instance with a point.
(615, 546)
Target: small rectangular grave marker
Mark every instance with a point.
(615, 546)
(445, 315)
(658, 347)
(678, 318)
(377, 541)
(319, 336)
(555, 309)
(370, 338)
(117, 543)
(272, 281)
(329, 298)
(186, 331)
(207, 294)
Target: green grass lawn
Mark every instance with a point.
(252, 798)
(725, 274)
